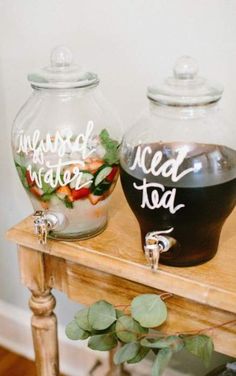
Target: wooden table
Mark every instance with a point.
(112, 267)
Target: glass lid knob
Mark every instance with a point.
(61, 57)
(185, 68)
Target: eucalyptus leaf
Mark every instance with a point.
(175, 343)
(201, 346)
(119, 313)
(161, 361)
(126, 352)
(149, 310)
(74, 332)
(81, 318)
(103, 342)
(142, 353)
(101, 315)
(110, 329)
(129, 330)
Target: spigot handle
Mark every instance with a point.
(155, 244)
(42, 226)
(152, 253)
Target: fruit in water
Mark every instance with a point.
(64, 192)
(112, 174)
(30, 181)
(80, 193)
(36, 191)
(94, 199)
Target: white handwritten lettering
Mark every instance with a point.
(169, 169)
(40, 148)
(166, 201)
(60, 143)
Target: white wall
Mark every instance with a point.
(129, 43)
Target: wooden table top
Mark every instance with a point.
(118, 251)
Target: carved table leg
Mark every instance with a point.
(42, 303)
(44, 330)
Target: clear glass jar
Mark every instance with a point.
(65, 146)
(178, 168)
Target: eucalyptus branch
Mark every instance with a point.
(105, 325)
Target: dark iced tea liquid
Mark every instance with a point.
(198, 224)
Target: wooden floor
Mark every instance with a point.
(14, 365)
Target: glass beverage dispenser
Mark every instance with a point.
(65, 145)
(178, 169)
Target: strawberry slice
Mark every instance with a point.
(36, 191)
(30, 181)
(80, 193)
(112, 174)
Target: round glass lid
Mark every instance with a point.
(185, 87)
(62, 73)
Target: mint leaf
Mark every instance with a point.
(111, 146)
(46, 197)
(68, 203)
(47, 187)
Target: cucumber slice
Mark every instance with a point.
(101, 188)
(85, 178)
(102, 174)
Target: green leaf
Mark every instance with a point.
(126, 352)
(143, 351)
(129, 330)
(101, 315)
(46, 197)
(149, 310)
(119, 313)
(201, 346)
(81, 318)
(68, 203)
(103, 342)
(47, 187)
(21, 172)
(101, 188)
(111, 146)
(161, 361)
(175, 343)
(110, 329)
(74, 332)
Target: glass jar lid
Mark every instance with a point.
(62, 73)
(185, 88)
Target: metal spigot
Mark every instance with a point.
(44, 222)
(155, 244)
